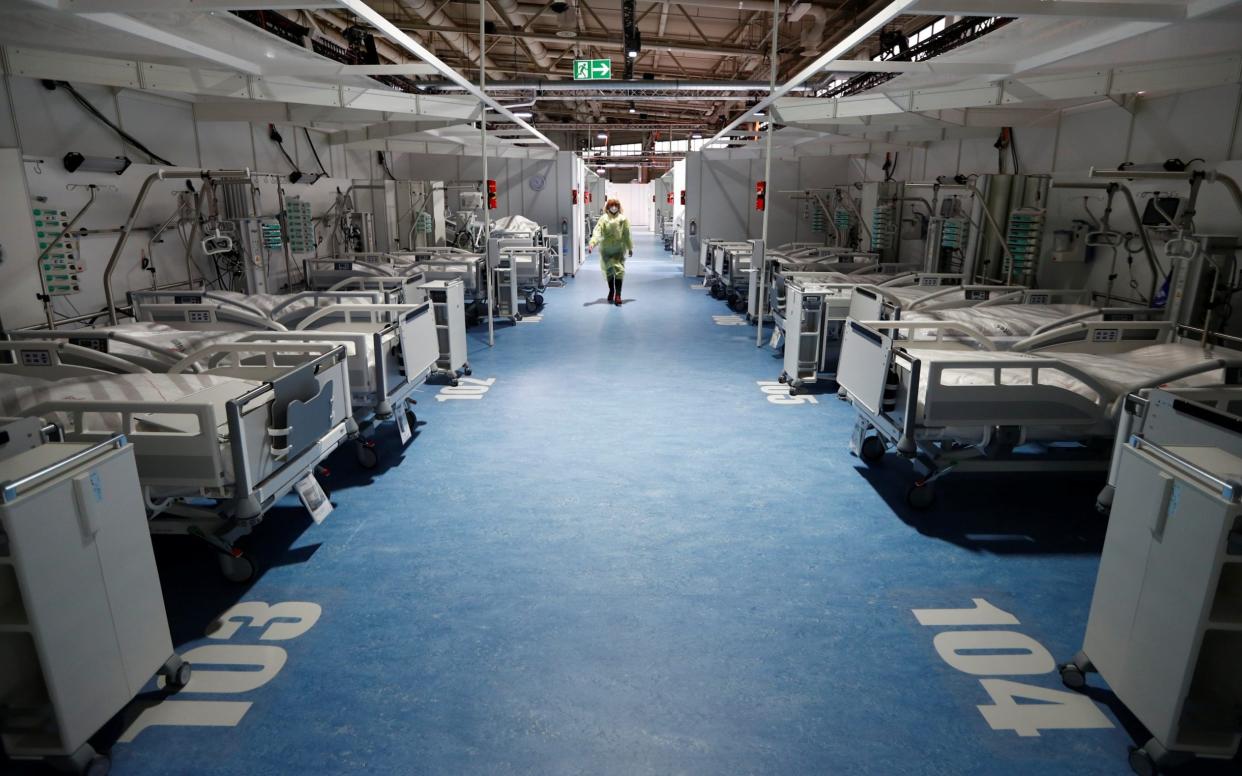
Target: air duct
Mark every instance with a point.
(428, 12)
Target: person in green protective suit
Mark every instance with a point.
(612, 235)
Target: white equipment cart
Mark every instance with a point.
(82, 621)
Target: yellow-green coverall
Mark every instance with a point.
(612, 235)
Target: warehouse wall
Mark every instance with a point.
(720, 196)
(526, 187)
(45, 125)
(1198, 124)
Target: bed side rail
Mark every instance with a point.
(928, 279)
(1105, 314)
(1098, 335)
(964, 296)
(206, 317)
(98, 339)
(57, 359)
(316, 298)
(350, 313)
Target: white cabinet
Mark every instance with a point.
(82, 621)
(1165, 629)
(449, 305)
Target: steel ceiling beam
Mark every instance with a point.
(1155, 12)
(377, 20)
(681, 45)
(860, 33)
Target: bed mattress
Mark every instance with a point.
(20, 394)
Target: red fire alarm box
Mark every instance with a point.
(491, 195)
(683, 196)
(760, 194)
(670, 198)
(573, 197)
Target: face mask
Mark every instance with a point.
(613, 210)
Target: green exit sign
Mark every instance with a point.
(592, 69)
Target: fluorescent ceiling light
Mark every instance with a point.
(602, 135)
(523, 114)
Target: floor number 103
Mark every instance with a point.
(1025, 709)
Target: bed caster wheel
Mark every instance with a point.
(872, 449)
(467, 371)
(237, 568)
(517, 317)
(454, 383)
(1073, 677)
(1143, 763)
(782, 378)
(921, 495)
(176, 673)
(366, 455)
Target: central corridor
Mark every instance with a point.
(621, 558)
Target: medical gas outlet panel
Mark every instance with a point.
(62, 258)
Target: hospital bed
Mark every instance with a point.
(724, 265)
(392, 348)
(780, 263)
(215, 448)
(947, 407)
(519, 276)
(815, 312)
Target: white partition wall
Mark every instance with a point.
(635, 200)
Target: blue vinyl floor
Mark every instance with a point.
(623, 559)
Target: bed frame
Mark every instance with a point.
(393, 348)
(243, 447)
(978, 427)
(815, 313)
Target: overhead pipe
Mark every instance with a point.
(430, 12)
(517, 19)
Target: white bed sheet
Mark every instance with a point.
(20, 394)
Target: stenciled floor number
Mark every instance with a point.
(233, 668)
(1026, 709)
(467, 388)
(778, 393)
(729, 320)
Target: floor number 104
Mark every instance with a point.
(1025, 709)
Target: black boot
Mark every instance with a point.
(612, 288)
(618, 301)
